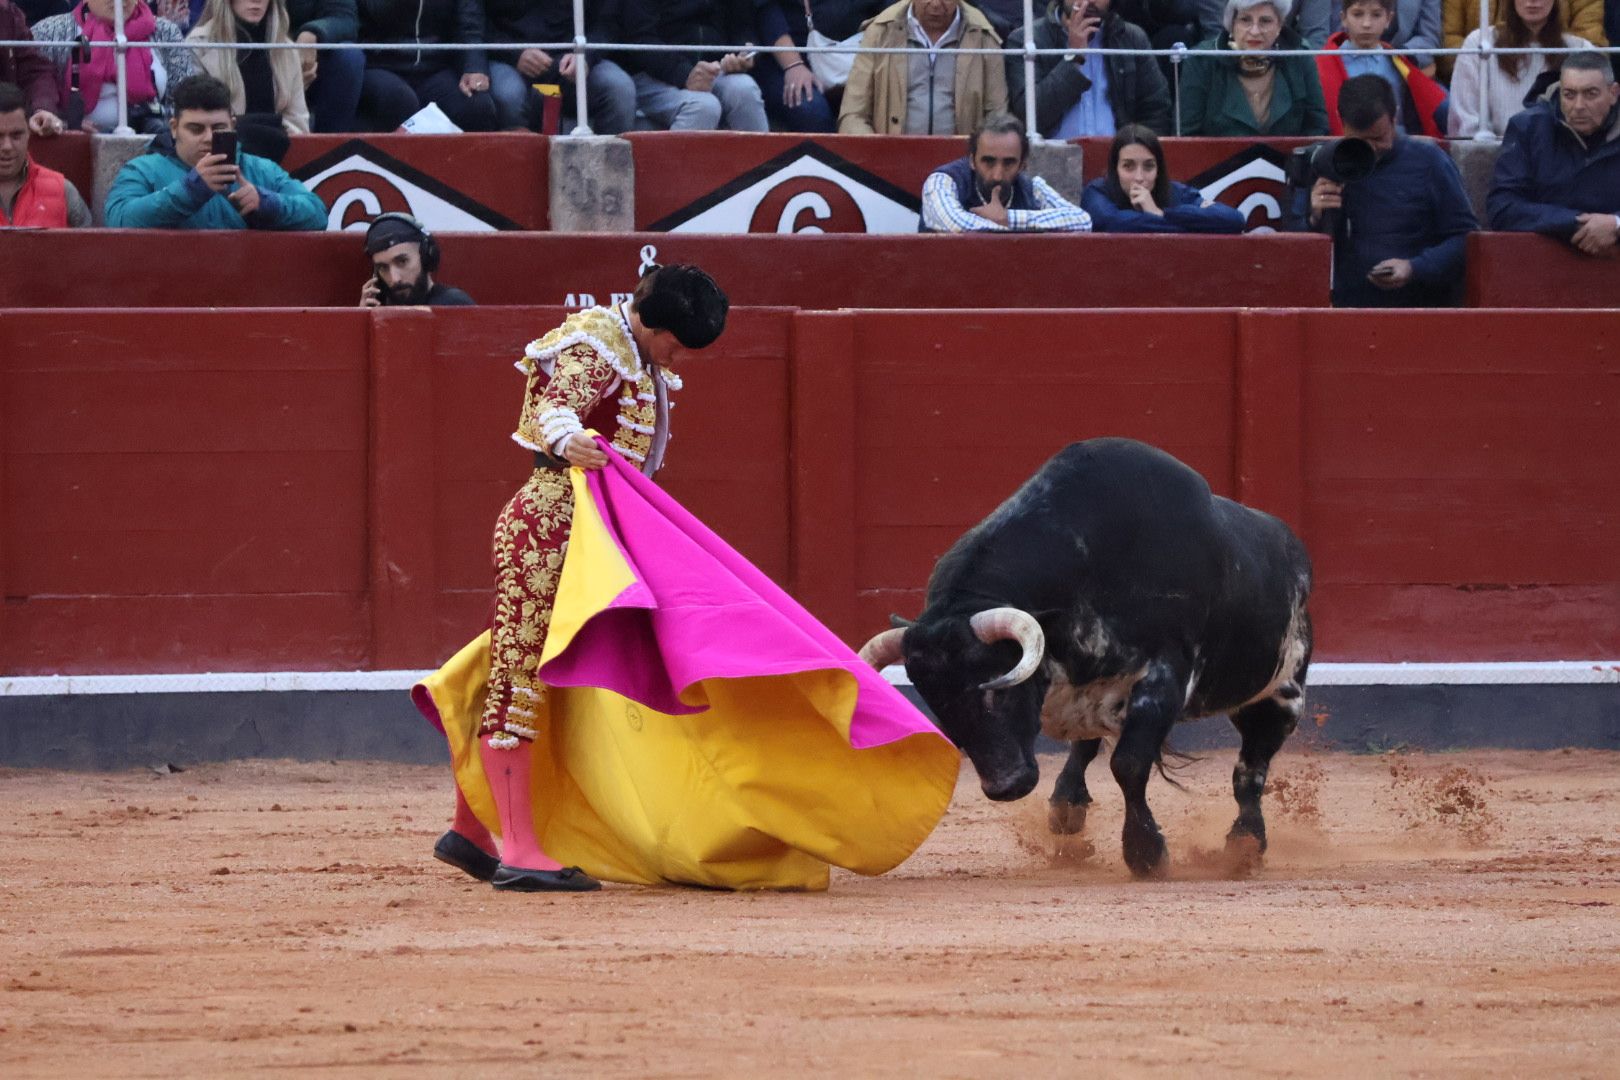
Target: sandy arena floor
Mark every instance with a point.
(1440, 915)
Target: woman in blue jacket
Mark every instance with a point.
(1136, 195)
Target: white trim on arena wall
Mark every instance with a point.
(1550, 672)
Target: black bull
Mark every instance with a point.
(1111, 597)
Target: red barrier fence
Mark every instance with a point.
(1528, 271)
(187, 269)
(720, 182)
(240, 490)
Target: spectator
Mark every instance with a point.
(1252, 93)
(87, 78)
(1136, 195)
(989, 191)
(794, 97)
(265, 85)
(1399, 232)
(610, 92)
(40, 10)
(1310, 21)
(1559, 170)
(1460, 18)
(31, 196)
(180, 183)
(1359, 49)
(1165, 22)
(1082, 92)
(404, 258)
(400, 82)
(703, 89)
(1525, 24)
(1414, 30)
(332, 77)
(30, 70)
(1611, 29)
(932, 93)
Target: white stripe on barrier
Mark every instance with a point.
(1549, 672)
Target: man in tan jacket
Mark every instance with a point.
(940, 92)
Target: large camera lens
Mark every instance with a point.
(1344, 160)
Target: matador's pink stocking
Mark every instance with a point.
(509, 774)
(467, 824)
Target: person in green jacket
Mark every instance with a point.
(1234, 86)
(179, 183)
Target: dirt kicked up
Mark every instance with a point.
(1440, 915)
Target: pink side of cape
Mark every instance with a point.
(701, 611)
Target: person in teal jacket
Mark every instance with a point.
(1233, 85)
(179, 183)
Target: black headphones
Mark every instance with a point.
(430, 246)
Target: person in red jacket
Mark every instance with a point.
(30, 69)
(1361, 50)
(31, 195)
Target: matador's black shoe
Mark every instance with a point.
(568, 879)
(466, 856)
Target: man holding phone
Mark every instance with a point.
(1400, 231)
(195, 176)
(404, 258)
(1080, 92)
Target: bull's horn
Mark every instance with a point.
(884, 649)
(1011, 624)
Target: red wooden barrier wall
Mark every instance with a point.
(1523, 270)
(179, 269)
(220, 490)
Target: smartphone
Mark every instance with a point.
(746, 54)
(224, 143)
(1382, 272)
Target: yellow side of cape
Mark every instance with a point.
(760, 791)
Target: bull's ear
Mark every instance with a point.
(899, 623)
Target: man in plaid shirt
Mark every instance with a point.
(988, 190)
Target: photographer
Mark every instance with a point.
(1399, 227)
(404, 257)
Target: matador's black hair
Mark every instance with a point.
(683, 300)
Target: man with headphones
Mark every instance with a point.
(404, 258)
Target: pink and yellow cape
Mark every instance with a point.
(703, 728)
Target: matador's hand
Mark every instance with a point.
(581, 450)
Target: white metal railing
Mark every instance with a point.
(580, 46)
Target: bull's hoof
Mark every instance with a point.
(1252, 829)
(1145, 853)
(1066, 818)
(1245, 853)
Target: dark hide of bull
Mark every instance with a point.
(1158, 602)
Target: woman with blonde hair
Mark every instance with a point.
(262, 81)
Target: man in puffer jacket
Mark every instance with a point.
(1559, 170)
(398, 82)
(179, 183)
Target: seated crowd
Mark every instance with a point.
(460, 57)
(1398, 231)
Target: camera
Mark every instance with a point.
(1339, 160)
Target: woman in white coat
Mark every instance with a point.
(261, 81)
